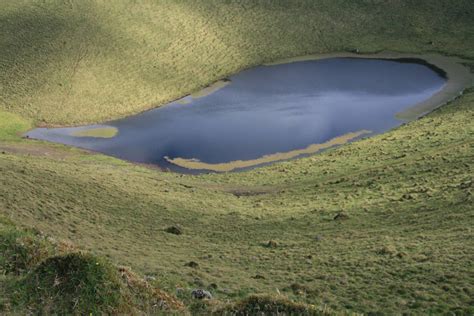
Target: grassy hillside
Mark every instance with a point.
(403, 239)
(95, 60)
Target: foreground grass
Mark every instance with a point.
(51, 277)
(403, 239)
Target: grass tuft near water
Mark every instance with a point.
(99, 132)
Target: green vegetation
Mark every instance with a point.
(53, 278)
(72, 282)
(403, 246)
(266, 305)
(11, 125)
(20, 250)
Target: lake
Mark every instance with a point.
(264, 114)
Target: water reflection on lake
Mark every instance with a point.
(263, 111)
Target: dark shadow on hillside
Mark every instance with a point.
(33, 39)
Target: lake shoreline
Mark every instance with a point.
(449, 71)
(459, 78)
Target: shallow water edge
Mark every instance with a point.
(195, 164)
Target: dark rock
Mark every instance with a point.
(201, 294)
(298, 288)
(341, 216)
(258, 277)
(388, 250)
(465, 185)
(175, 230)
(271, 244)
(192, 264)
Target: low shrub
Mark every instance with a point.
(20, 250)
(75, 283)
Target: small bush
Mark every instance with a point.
(20, 250)
(46, 278)
(73, 284)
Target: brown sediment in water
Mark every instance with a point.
(195, 164)
(185, 100)
(204, 92)
(458, 76)
(211, 89)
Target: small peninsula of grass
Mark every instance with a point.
(240, 164)
(98, 132)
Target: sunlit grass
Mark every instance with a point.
(99, 132)
(12, 125)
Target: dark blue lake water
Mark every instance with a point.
(266, 110)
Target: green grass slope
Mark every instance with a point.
(95, 59)
(404, 240)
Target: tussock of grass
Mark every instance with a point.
(147, 298)
(46, 278)
(20, 250)
(271, 305)
(73, 284)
